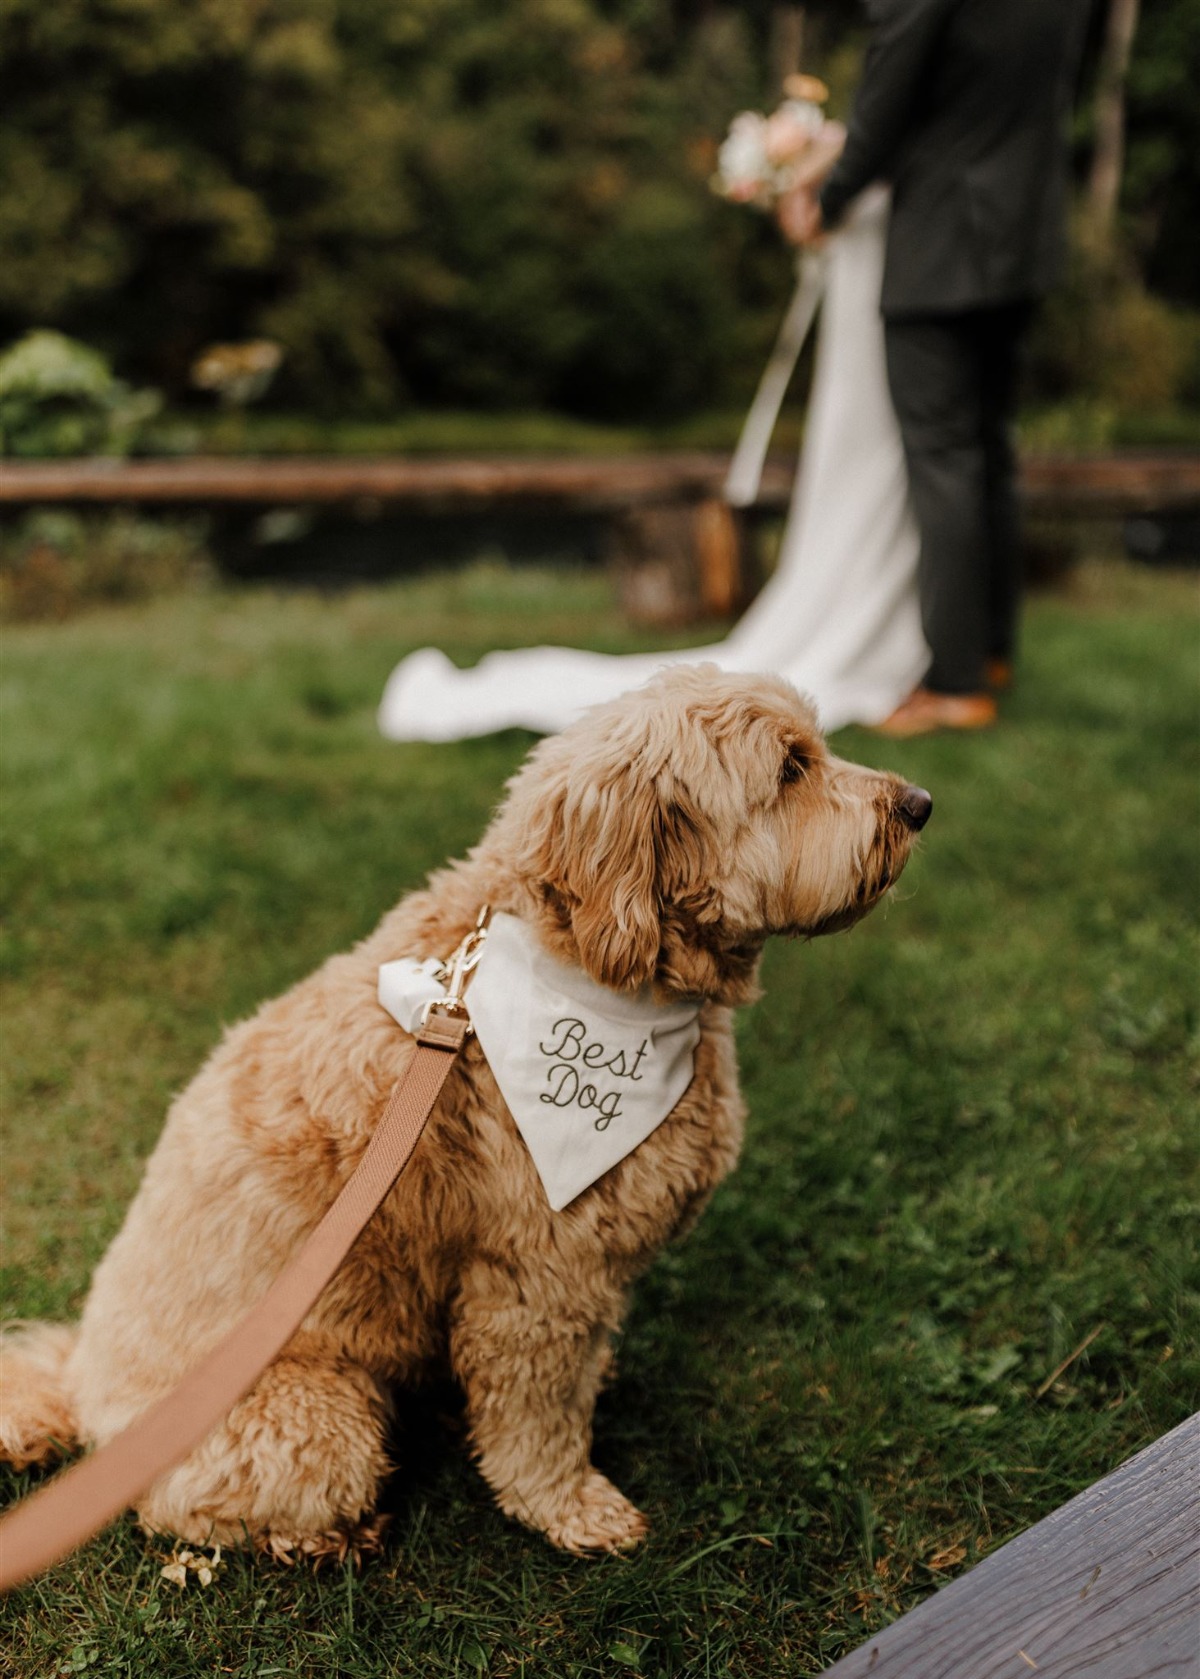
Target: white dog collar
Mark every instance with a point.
(587, 1073)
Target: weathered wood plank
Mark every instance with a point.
(1108, 1587)
(599, 482)
(1098, 485)
(1107, 485)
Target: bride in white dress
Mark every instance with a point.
(839, 618)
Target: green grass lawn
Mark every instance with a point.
(972, 1142)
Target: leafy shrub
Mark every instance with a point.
(53, 564)
(58, 397)
(1103, 338)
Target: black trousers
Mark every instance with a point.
(953, 383)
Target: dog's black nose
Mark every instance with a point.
(915, 806)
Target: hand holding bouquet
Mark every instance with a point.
(763, 159)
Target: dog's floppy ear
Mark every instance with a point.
(595, 860)
(617, 920)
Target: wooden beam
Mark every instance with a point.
(1108, 1587)
(604, 482)
(1111, 485)
(1101, 486)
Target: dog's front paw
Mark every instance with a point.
(355, 1540)
(597, 1517)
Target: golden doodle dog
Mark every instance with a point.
(655, 845)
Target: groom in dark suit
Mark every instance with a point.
(963, 108)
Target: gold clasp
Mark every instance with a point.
(457, 969)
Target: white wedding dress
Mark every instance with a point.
(839, 618)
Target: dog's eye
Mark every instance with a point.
(795, 766)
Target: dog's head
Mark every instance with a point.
(664, 837)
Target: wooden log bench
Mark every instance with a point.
(1107, 1587)
(676, 547)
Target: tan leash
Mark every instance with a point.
(80, 1501)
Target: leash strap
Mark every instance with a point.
(81, 1500)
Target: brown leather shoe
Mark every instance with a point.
(924, 712)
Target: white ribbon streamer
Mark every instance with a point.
(745, 469)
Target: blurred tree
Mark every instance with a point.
(446, 201)
(174, 168)
(1108, 150)
(443, 200)
(1106, 336)
(1161, 185)
(576, 255)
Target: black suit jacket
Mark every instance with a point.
(963, 107)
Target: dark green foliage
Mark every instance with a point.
(451, 201)
(444, 202)
(1103, 340)
(1162, 177)
(60, 398)
(971, 1140)
(54, 562)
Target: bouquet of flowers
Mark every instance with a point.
(762, 157)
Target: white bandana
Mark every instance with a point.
(587, 1073)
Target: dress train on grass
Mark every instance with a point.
(839, 617)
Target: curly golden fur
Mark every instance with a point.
(659, 842)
